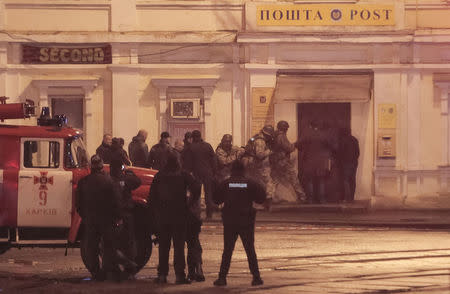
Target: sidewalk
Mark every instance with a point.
(355, 214)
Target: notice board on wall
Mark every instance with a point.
(262, 108)
(387, 116)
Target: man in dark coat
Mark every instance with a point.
(104, 150)
(200, 159)
(317, 151)
(169, 204)
(347, 157)
(138, 149)
(118, 152)
(158, 154)
(238, 215)
(98, 204)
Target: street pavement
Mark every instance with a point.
(356, 214)
(294, 258)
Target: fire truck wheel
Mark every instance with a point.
(143, 249)
(4, 247)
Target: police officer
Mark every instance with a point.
(282, 166)
(238, 215)
(256, 159)
(226, 155)
(98, 204)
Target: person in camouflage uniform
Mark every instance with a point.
(282, 165)
(257, 162)
(226, 155)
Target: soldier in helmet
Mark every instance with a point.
(280, 160)
(256, 159)
(226, 155)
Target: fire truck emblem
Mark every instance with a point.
(43, 180)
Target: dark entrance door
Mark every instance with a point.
(332, 117)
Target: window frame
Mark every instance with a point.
(61, 153)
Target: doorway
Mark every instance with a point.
(332, 117)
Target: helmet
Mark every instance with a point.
(268, 130)
(282, 125)
(227, 137)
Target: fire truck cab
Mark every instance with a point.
(40, 167)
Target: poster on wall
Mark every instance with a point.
(387, 116)
(262, 108)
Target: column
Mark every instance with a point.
(123, 15)
(413, 125)
(237, 105)
(163, 109)
(207, 93)
(444, 89)
(125, 102)
(89, 123)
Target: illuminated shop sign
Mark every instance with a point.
(325, 15)
(66, 55)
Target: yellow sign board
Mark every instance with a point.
(387, 116)
(325, 15)
(262, 108)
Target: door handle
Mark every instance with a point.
(25, 177)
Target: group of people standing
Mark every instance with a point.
(103, 203)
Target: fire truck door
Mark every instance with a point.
(45, 188)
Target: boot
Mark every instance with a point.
(182, 280)
(192, 274)
(257, 281)
(199, 276)
(221, 281)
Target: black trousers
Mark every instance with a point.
(349, 181)
(95, 233)
(208, 186)
(177, 234)
(247, 234)
(194, 248)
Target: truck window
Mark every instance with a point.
(41, 154)
(77, 155)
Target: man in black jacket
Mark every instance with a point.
(347, 155)
(104, 150)
(158, 154)
(200, 160)
(238, 215)
(98, 204)
(169, 204)
(138, 149)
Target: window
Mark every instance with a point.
(41, 154)
(76, 154)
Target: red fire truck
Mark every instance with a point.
(40, 167)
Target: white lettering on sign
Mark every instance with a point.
(237, 185)
(41, 211)
(57, 55)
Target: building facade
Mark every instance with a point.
(379, 68)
